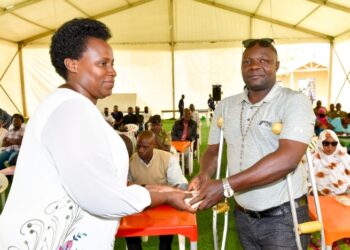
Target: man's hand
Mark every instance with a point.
(198, 181)
(211, 194)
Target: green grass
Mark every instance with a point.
(204, 218)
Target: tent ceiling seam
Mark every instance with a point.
(345, 73)
(120, 9)
(77, 8)
(307, 15)
(103, 14)
(30, 21)
(258, 7)
(18, 6)
(266, 19)
(331, 5)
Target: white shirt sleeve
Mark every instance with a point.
(175, 175)
(79, 142)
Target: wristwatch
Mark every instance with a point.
(228, 191)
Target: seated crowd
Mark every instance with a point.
(10, 142)
(335, 119)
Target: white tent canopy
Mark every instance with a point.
(165, 48)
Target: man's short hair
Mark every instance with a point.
(155, 119)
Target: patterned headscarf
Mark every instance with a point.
(332, 172)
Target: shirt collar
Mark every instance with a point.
(276, 90)
(144, 163)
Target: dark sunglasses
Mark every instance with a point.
(263, 42)
(327, 143)
(322, 115)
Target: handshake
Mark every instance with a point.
(194, 195)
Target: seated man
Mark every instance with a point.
(3, 132)
(153, 166)
(118, 117)
(130, 117)
(12, 141)
(184, 129)
(163, 139)
(341, 124)
(140, 118)
(5, 118)
(107, 116)
(339, 113)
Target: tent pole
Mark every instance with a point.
(172, 45)
(21, 75)
(3, 89)
(330, 70)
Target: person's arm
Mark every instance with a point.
(207, 169)
(208, 162)
(162, 194)
(267, 170)
(174, 198)
(87, 168)
(175, 176)
(9, 142)
(5, 141)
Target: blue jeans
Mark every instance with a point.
(270, 233)
(7, 156)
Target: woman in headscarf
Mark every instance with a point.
(332, 165)
(332, 173)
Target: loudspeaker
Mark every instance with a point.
(216, 92)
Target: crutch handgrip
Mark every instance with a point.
(221, 207)
(309, 227)
(220, 122)
(276, 128)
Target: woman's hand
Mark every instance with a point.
(177, 200)
(161, 188)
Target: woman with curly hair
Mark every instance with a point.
(70, 187)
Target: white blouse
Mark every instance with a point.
(69, 189)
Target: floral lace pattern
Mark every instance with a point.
(52, 233)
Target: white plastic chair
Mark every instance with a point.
(3, 186)
(132, 129)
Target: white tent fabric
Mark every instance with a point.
(204, 35)
(146, 71)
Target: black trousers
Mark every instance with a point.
(134, 243)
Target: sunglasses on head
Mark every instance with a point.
(327, 143)
(263, 42)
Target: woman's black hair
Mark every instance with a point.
(17, 116)
(70, 39)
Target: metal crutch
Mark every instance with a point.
(222, 207)
(310, 226)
